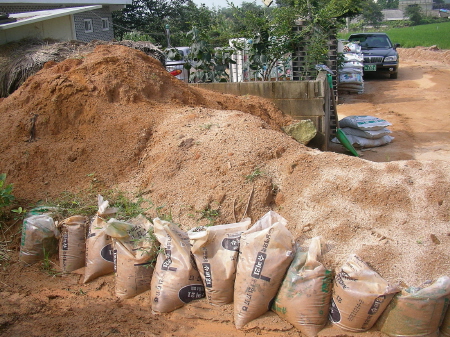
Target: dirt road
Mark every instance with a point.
(417, 105)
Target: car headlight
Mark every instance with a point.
(390, 58)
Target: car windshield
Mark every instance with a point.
(371, 41)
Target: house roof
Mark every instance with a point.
(32, 17)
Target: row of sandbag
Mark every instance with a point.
(365, 131)
(98, 245)
(251, 266)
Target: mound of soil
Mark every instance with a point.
(117, 116)
(95, 116)
(425, 54)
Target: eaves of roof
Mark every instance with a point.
(67, 3)
(32, 17)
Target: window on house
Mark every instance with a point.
(88, 27)
(105, 24)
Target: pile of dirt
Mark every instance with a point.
(117, 116)
(425, 54)
(22, 59)
(95, 116)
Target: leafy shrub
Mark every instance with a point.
(6, 196)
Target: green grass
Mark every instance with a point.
(423, 35)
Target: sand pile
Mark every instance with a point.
(94, 116)
(118, 116)
(425, 54)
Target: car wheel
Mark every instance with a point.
(393, 76)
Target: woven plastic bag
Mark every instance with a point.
(99, 250)
(134, 255)
(215, 250)
(176, 280)
(363, 123)
(39, 238)
(304, 296)
(72, 243)
(375, 134)
(359, 296)
(265, 253)
(417, 312)
(362, 142)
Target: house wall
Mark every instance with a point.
(427, 5)
(96, 17)
(58, 28)
(62, 28)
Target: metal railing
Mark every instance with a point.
(242, 72)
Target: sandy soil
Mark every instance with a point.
(116, 116)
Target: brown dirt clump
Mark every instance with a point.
(118, 116)
(115, 96)
(425, 54)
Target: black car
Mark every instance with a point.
(380, 55)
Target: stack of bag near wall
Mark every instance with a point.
(365, 131)
(350, 77)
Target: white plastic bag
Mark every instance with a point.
(348, 57)
(351, 47)
(38, 238)
(369, 134)
(365, 142)
(350, 78)
(364, 123)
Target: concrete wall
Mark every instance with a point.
(300, 99)
(58, 28)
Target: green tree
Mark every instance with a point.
(270, 29)
(150, 17)
(414, 12)
(371, 13)
(210, 63)
(321, 17)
